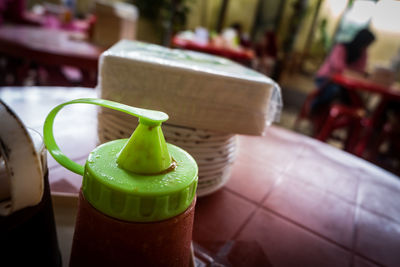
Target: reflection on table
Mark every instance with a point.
(291, 200)
(241, 55)
(27, 47)
(359, 83)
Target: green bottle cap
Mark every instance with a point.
(141, 179)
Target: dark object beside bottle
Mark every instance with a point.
(28, 236)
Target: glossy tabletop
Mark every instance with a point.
(291, 200)
(242, 54)
(49, 46)
(364, 84)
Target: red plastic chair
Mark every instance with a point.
(306, 108)
(334, 117)
(305, 112)
(318, 119)
(343, 117)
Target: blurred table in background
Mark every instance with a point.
(52, 49)
(358, 83)
(52, 21)
(242, 55)
(291, 200)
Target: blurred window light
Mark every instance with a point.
(357, 17)
(386, 16)
(336, 7)
(360, 12)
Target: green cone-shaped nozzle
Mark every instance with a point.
(146, 151)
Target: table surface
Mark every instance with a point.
(49, 46)
(364, 84)
(291, 200)
(52, 21)
(238, 54)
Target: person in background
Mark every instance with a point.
(344, 56)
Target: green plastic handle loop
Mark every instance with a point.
(146, 116)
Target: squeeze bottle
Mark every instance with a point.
(136, 204)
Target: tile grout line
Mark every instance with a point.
(241, 196)
(380, 215)
(327, 191)
(358, 207)
(306, 229)
(373, 211)
(258, 206)
(309, 230)
(355, 233)
(353, 203)
(280, 173)
(241, 227)
(355, 218)
(368, 259)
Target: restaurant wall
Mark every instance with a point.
(242, 11)
(205, 13)
(305, 27)
(85, 6)
(305, 23)
(330, 10)
(383, 50)
(385, 24)
(268, 13)
(284, 23)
